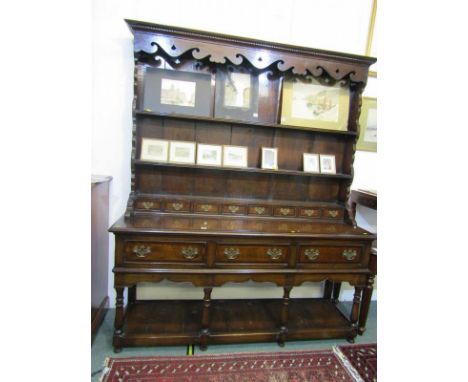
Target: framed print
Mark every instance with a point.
(172, 91)
(182, 152)
(327, 164)
(154, 150)
(236, 95)
(270, 158)
(368, 125)
(310, 104)
(371, 48)
(235, 156)
(209, 155)
(311, 163)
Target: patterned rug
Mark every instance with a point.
(310, 366)
(363, 359)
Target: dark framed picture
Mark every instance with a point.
(246, 95)
(177, 92)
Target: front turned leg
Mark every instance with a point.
(336, 291)
(119, 319)
(205, 319)
(355, 314)
(366, 300)
(284, 317)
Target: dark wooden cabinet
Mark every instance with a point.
(211, 225)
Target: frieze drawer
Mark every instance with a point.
(177, 206)
(333, 213)
(252, 253)
(165, 252)
(329, 254)
(206, 208)
(147, 204)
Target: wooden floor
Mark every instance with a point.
(179, 322)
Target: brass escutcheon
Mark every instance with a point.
(312, 253)
(232, 253)
(141, 250)
(274, 253)
(349, 254)
(189, 252)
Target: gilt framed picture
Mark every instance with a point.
(209, 155)
(311, 104)
(154, 150)
(182, 152)
(235, 156)
(311, 163)
(327, 164)
(177, 92)
(270, 158)
(368, 125)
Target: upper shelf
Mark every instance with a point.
(242, 169)
(239, 122)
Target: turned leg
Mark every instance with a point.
(119, 319)
(355, 314)
(327, 290)
(366, 299)
(336, 291)
(205, 318)
(284, 317)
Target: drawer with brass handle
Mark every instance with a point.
(206, 208)
(259, 210)
(177, 206)
(234, 209)
(165, 252)
(252, 253)
(147, 204)
(333, 213)
(285, 211)
(329, 254)
(310, 212)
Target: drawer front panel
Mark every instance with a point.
(285, 211)
(147, 204)
(333, 213)
(165, 252)
(252, 254)
(177, 206)
(206, 208)
(330, 254)
(259, 210)
(234, 209)
(309, 212)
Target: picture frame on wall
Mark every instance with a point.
(327, 164)
(235, 156)
(177, 92)
(311, 163)
(236, 95)
(209, 155)
(182, 152)
(154, 150)
(311, 104)
(269, 158)
(367, 140)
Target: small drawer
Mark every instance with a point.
(165, 252)
(310, 212)
(329, 254)
(234, 209)
(285, 211)
(206, 208)
(252, 254)
(333, 213)
(177, 206)
(147, 204)
(259, 210)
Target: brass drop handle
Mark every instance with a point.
(205, 207)
(333, 213)
(274, 253)
(285, 211)
(259, 210)
(177, 206)
(312, 253)
(148, 205)
(141, 250)
(309, 212)
(189, 253)
(232, 253)
(349, 254)
(233, 209)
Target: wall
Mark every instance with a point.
(339, 25)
